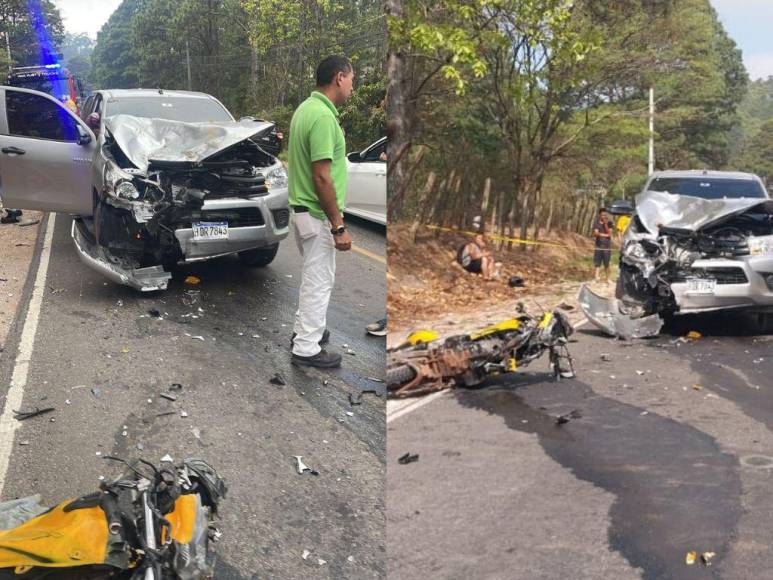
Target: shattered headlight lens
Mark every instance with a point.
(126, 190)
(760, 245)
(276, 178)
(635, 251)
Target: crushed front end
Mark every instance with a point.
(179, 192)
(685, 254)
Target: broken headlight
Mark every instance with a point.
(126, 190)
(760, 245)
(276, 178)
(635, 251)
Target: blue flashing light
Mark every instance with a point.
(48, 52)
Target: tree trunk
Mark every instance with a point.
(422, 204)
(398, 123)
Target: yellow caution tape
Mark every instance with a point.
(499, 238)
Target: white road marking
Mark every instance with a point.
(13, 401)
(416, 404)
(401, 408)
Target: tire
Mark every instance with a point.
(260, 257)
(398, 376)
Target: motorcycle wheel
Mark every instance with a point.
(398, 376)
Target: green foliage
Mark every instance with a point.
(16, 20)
(115, 60)
(556, 111)
(257, 56)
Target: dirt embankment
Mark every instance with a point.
(426, 287)
(17, 245)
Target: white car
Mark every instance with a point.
(366, 191)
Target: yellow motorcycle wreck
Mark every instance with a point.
(423, 364)
(152, 523)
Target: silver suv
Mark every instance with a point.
(152, 177)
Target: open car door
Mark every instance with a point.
(45, 154)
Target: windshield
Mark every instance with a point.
(708, 188)
(189, 110)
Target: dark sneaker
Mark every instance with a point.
(323, 359)
(324, 340)
(377, 328)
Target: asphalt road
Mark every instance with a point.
(102, 361)
(673, 452)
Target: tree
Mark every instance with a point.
(115, 61)
(35, 31)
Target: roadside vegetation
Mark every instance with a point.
(534, 112)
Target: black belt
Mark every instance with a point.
(299, 208)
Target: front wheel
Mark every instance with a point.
(259, 257)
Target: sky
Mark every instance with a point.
(86, 15)
(748, 22)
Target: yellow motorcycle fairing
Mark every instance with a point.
(507, 325)
(56, 539)
(547, 318)
(61, 539)
(421, 337)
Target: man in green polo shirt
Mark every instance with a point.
(317, 183)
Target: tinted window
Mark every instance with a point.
(35, 116)
(189, 110)
(375, 153)
(708, 188)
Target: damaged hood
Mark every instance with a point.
(655, 208)
(144, 140)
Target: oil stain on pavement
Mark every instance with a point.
(676, 491)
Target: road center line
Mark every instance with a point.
(13, 401)
(369, 254)
(404, 409)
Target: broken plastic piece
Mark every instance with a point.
(690, 558)
(605, 314)
(24, 415)
(566, 417)
(193, 280)
(303, 467)
(305, 554)
(167, 459)
(408, 458)
(707, 557)
(168, 396)
(694, 335)
(278, 380)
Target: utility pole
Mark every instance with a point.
(652, 132)
(188, 62)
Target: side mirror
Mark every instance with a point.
(93, 121)
(84, 138)
(354, 157)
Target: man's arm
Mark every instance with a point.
(323, 184)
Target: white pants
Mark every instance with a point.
(316, 244)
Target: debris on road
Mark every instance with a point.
(192, 280)
(176, 387)
(356, 398)
(302, 467)
(278, 380)
(305, 554)
(697, 387)
(407, 458)
(606, 315)
(168, 396)
(36, 412)
(167, 459)
(707, 557)
(694, 335)
(155, 312)
(95, 392)
(27, 223)
(606, 357)
(691, 557)
(566, 417)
